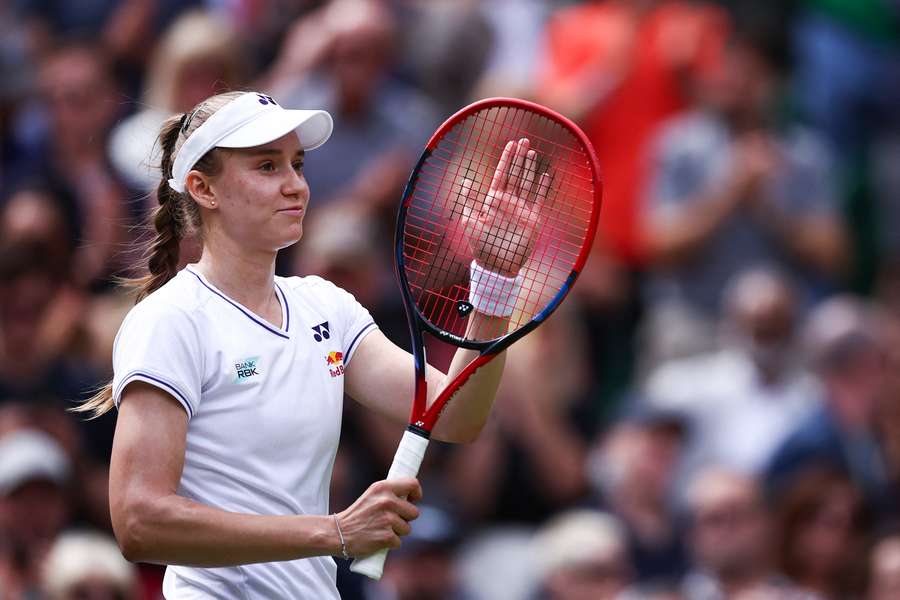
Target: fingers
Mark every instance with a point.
(543, 192)
(530, 172)
(517, 170)
(380, 517)
(501, 173)
(400, 526)
(416, 494)
(469, 197)
(405, 487)
(518, 162)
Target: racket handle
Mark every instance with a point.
(406, 464)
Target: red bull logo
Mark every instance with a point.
(336, 360)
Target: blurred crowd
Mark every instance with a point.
(715, 412)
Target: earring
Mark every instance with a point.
(212, 202)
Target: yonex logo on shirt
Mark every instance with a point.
(321, 332)
(246, 368)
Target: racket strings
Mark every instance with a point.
(437, 238)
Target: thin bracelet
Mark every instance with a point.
(337, 524)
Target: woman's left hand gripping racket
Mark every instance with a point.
(496, 222)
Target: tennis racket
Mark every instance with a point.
(496, 155)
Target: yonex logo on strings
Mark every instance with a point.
(266, 100)
(320, 332)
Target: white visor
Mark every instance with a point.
(249, 120)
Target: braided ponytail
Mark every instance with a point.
(175, 218)
(163, 251)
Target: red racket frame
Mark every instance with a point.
(423, 417)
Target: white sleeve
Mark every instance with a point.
(159, 345)
(358, 323)
(354, 320)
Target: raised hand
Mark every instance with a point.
(501, 226)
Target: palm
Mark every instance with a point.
(501, 226)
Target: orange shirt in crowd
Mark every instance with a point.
(621, 70)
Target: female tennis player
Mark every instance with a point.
(229, 380)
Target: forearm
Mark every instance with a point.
(174, 530)
(467, 412)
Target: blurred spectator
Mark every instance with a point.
(529, 460)
(499, 563)
(87, 565)
(39, 317)
(621, 67)
(731, 190)
(447, 45)
(887, 418)
(844, 338)
(423, 567)
(632, 471)
(34, 507)
(123, 27)
(78, 89)
(581, 555)
(822, 524)
(40, 307)
(199, 55)
(744, 400)
(847, 85)
(34, 213)
(339, 58)
(848, 68)
(55, 340)
(731, 541)
(653, 592)
(884, 568)
(886, 195)
(512, 60)
(16, 81)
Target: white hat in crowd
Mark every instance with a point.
(577, 537)
(29, 455)
(79, 557)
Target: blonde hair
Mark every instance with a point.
(194, 36)
(176, 217)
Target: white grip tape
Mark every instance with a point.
(491, 293)
(406, 463)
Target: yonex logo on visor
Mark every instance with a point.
(251, 119)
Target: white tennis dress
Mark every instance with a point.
(264, 405)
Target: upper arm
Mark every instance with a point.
(148, 450)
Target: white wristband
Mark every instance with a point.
(491, 293)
